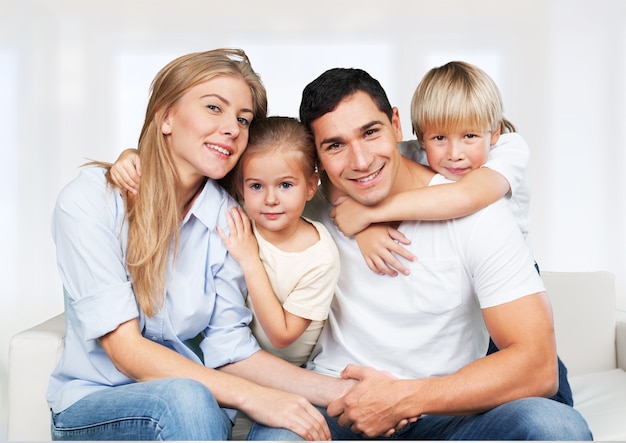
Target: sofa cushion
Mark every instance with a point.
(601, 398)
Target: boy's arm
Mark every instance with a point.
(126, 171)
(281, 327)
(476, 190)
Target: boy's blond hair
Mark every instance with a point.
(458, 95)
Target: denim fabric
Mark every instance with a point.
(526, 419)
(167, 409)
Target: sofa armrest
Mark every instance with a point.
(620, 339)
(33, 354)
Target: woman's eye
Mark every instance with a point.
(213, 108)
(244, 121)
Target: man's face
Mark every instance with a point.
(358, 148)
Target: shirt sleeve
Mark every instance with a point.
(227, 338)
(510, 157)
(499, 258)
(87, 230)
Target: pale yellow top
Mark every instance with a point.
(304, 283)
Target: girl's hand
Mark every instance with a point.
(349, 216)
(126, 171)
(380, 245)
(241, 243)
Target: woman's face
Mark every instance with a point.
(207, 128)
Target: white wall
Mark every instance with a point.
(74, 76)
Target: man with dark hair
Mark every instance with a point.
(417, 343)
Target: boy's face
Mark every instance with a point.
(358, 148)
(454, 153)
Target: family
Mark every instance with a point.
(205, 273)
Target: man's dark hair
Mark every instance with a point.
(323, 94)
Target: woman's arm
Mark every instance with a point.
(142, 360)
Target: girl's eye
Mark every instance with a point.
(285, 185)
(255, 186)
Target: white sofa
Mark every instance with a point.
(591, 339)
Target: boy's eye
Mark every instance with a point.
(439, 137)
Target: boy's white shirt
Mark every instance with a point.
(509, 157)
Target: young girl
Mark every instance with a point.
(458, 117)
(290, 264)
(158, 345)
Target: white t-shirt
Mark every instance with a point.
(304, 283)
(428, 323)
(509, 157)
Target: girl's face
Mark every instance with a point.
(207, 128)
(275, 191)
(455, 153)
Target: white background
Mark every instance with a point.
(74, 77)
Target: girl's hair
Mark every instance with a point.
(154, 213)
(458, 94)
(284, 135)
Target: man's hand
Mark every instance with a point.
(375, 406)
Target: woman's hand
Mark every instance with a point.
(280, 409)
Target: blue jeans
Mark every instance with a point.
(167, 409)
(526, 419)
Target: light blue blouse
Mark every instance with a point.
(204, 289)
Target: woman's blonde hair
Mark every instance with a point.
(455, 95)
(154, 213)
(276, 134)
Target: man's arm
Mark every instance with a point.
(525, 366)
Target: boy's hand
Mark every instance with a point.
(379, 245)
(349, 216)
(126, 171)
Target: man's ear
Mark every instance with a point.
(395, 123)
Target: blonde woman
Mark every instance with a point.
(158, 345)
